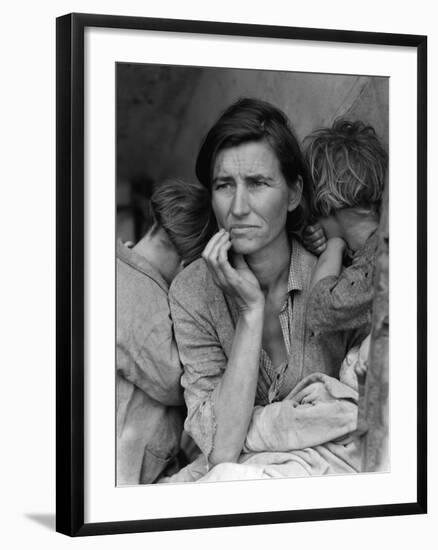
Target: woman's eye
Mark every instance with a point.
(222, 186)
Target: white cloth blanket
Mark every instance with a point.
(310, 433)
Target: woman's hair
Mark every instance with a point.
(347, 163)
(184, 211)
(256, 120)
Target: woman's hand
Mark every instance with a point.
(314, 239)
(236, 280)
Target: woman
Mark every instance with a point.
(239, 311)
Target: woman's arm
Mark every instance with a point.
(233, 398)
(219, 384)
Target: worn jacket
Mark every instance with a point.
(149, 395)
(345, 302)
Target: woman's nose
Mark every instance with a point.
(240, 204)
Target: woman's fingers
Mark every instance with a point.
(222, 255)
(211, 244)
(225, 270)
(215, 254)
(236, 280)
(211, 251)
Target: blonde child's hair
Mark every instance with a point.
(347, 163)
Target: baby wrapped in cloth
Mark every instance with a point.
(313, 431)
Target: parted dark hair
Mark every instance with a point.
(348, 164)
(250, 119)
(183, 210)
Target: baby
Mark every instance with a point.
(348, 166)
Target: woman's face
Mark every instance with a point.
(250, 196)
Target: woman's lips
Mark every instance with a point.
(241, 231)
(241, 227)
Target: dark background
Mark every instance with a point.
(163, 113)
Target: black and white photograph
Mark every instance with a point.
(240, 332)
(218, 297)
(252, 293)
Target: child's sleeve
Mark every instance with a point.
(344, 302)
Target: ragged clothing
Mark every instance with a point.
(150, 408)
(318, 410)
(204, 321)
(345, 302)
(311, 432)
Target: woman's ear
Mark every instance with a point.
(295, 194)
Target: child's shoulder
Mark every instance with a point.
(367, 253)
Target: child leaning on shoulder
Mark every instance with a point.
(348, 166)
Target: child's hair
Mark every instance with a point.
(348, 164)
(183, 210)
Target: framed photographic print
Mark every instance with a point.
(241, 335)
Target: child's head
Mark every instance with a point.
(182, 209)
(348, 165)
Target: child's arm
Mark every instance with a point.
(342, 299)
(330, 262)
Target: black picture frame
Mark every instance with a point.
(70, 273)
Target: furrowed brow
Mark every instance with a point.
(259, 177)
(222, 179)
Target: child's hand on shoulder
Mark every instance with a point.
(314, 239)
